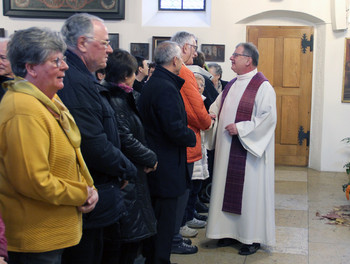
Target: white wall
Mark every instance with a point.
(225, 23)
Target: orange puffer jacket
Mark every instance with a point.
(197, 116)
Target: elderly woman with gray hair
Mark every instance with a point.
(216, 70)
(44, 183)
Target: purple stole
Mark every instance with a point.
(238, 154)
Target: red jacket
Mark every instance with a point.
(197, 116)
(3, 241)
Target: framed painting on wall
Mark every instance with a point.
(140, 49)
(114, 40)
(213, 52)
(156, 41)
(106, 9)
(346, 73)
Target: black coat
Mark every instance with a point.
(223, 83)
(140, 222)
(209, 92)
(88, 102)
(165, 121)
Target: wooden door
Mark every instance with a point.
(286, 62)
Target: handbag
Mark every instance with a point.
(109, 208)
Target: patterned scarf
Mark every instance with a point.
(61, 114)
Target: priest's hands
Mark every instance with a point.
(232, 129)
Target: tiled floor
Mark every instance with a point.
(301, 236)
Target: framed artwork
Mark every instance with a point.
(213, 52)
(2, 32)
(106, 9)
(114, 38)
(140, 49)
(346, 73)
(156, 41)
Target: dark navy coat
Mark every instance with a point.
(88, 102)
(163, 114)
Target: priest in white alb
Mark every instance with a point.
(242, 194)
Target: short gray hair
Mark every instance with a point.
(182, 37)
(166, 51)
(78, 25)
(33, 45)
(251, 50)
(217, 67)
(199, 76)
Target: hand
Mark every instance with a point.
(90, 202)
(124, 183)
(232, 129)
(148, 170)
(2, 260)
(213, 116)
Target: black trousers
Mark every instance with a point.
(53, 257)
(97, 246)
(88, 251)
(157, 249)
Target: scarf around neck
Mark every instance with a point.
(124, 87)
(61, 114)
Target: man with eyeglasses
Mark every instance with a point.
(88, 47)
(164, 117)
(6, 73)
(198, 119)
(242, 193)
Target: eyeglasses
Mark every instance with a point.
(235, 55)
(194, 46)
(102, 41)
(59, 61)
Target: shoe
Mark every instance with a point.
(225, 242)
(187, 241)
(186, 231)
(195, 223)
(183, 248)
(200, 217)
(201, 207)
(249, 249)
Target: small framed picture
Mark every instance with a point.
(346, 74)
(213, 52)
(140, 49)
(155, 42)
(114, 38)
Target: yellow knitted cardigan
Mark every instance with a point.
(40, 182)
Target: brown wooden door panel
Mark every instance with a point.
(289, 71)
(291, 62)
(289, 122)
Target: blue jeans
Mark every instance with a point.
(50, 257)
(192, 200)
